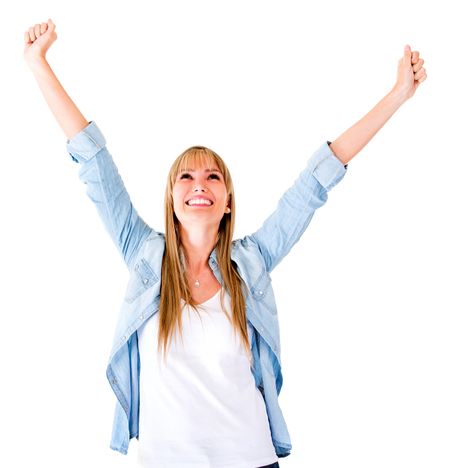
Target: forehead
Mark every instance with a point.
(197, 161)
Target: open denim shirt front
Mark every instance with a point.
(255, 255)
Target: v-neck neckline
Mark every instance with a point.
(207, 300)
(211, 298)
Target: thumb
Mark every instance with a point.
(407, 53)
(51, 25)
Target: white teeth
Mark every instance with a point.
(199, 202)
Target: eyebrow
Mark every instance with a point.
(206, 170)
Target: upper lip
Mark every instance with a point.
(199, 198)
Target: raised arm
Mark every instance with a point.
(327, 167)
(38, 40)
(87, 146)
(409, 76)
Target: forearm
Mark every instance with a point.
(63, 108)
(352, 141)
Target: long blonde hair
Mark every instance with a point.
(174, 285)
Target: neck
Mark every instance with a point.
(198, 243)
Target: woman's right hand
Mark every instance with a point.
(38, 40)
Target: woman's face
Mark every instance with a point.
(200, 195)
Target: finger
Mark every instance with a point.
(418, 65)
(415, 57)
(43, 27)
(419, 74)
(51, 25)
(421, 80)
(32, 35)
(27, 38)
(407, 54)
(37, 30)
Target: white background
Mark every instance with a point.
(361, 298)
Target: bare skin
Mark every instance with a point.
(38, 40)
(198, 230)
(410, 75)
(199, 224)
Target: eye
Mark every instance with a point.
(186, 175)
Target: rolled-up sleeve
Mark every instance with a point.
(326, 167)
(86, 143)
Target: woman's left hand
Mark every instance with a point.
(410, 73)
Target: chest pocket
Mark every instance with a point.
(261, 287)
(261, 291)
(141, 279)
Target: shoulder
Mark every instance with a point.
(151, 250)
(247, 255)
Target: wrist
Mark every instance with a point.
(399, 95)
(36, 61)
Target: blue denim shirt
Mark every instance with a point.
(256, 255)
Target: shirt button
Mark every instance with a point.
(142, 317)
(145, 280)
(260, 292)
(124, 338)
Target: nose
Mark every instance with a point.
(198, 188)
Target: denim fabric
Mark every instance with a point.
(256, 255)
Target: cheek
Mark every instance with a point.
(178, 196)
(223, 197)
(177, 205)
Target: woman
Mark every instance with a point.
(196, 298)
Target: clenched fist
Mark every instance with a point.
(38, 39)
(410, 73)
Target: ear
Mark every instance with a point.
(227, 208)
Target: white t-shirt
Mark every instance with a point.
(201, 409)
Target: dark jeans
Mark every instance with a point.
(273, 465)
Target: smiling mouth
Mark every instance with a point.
(199, 202)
